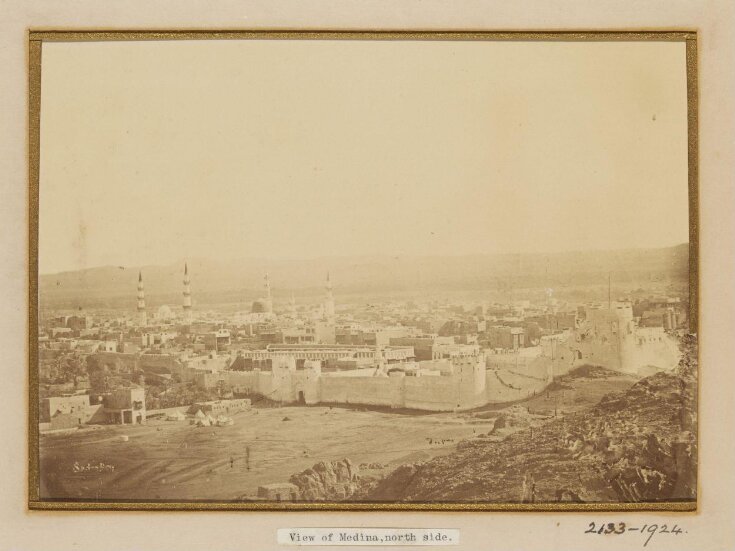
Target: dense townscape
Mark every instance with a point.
(115, 384)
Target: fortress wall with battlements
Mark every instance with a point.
(469, 385)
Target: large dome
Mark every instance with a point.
(164, 312)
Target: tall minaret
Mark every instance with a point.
(187, 295)
(292, 305)
(329, 300)
(268, 297)
(142, 316)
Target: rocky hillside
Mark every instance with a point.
(327, 481)
(637, 445)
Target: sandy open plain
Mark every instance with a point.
(175, 460)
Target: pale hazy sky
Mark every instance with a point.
(153, 152)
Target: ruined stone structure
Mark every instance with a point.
(611, 338)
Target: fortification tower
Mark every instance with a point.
(329, 300)
(142, 316)
(379, 357)
(469, 373)
(187, 296)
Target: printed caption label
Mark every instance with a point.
(368, 536)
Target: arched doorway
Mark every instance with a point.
(302, 398)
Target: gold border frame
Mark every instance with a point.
(36, 37)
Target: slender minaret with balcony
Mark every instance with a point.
(142, 316)
(292, 305)
(187, 296)
(268, 297)
(329, 300)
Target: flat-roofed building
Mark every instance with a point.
(125, 406)
(327, 352)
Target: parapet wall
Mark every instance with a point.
(426, 393)
(433, 394)
(376, 391)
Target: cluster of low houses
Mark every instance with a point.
(127, 406)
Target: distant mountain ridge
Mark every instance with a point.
(243, 279)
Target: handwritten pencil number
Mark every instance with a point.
(651, 531)
(609, 528)
(621, 528)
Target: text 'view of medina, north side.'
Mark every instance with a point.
(126, 387)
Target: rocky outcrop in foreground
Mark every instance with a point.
(637, 445)
(327, 481)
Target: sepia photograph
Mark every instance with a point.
(363, 270)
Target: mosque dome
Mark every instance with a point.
(164, 313)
